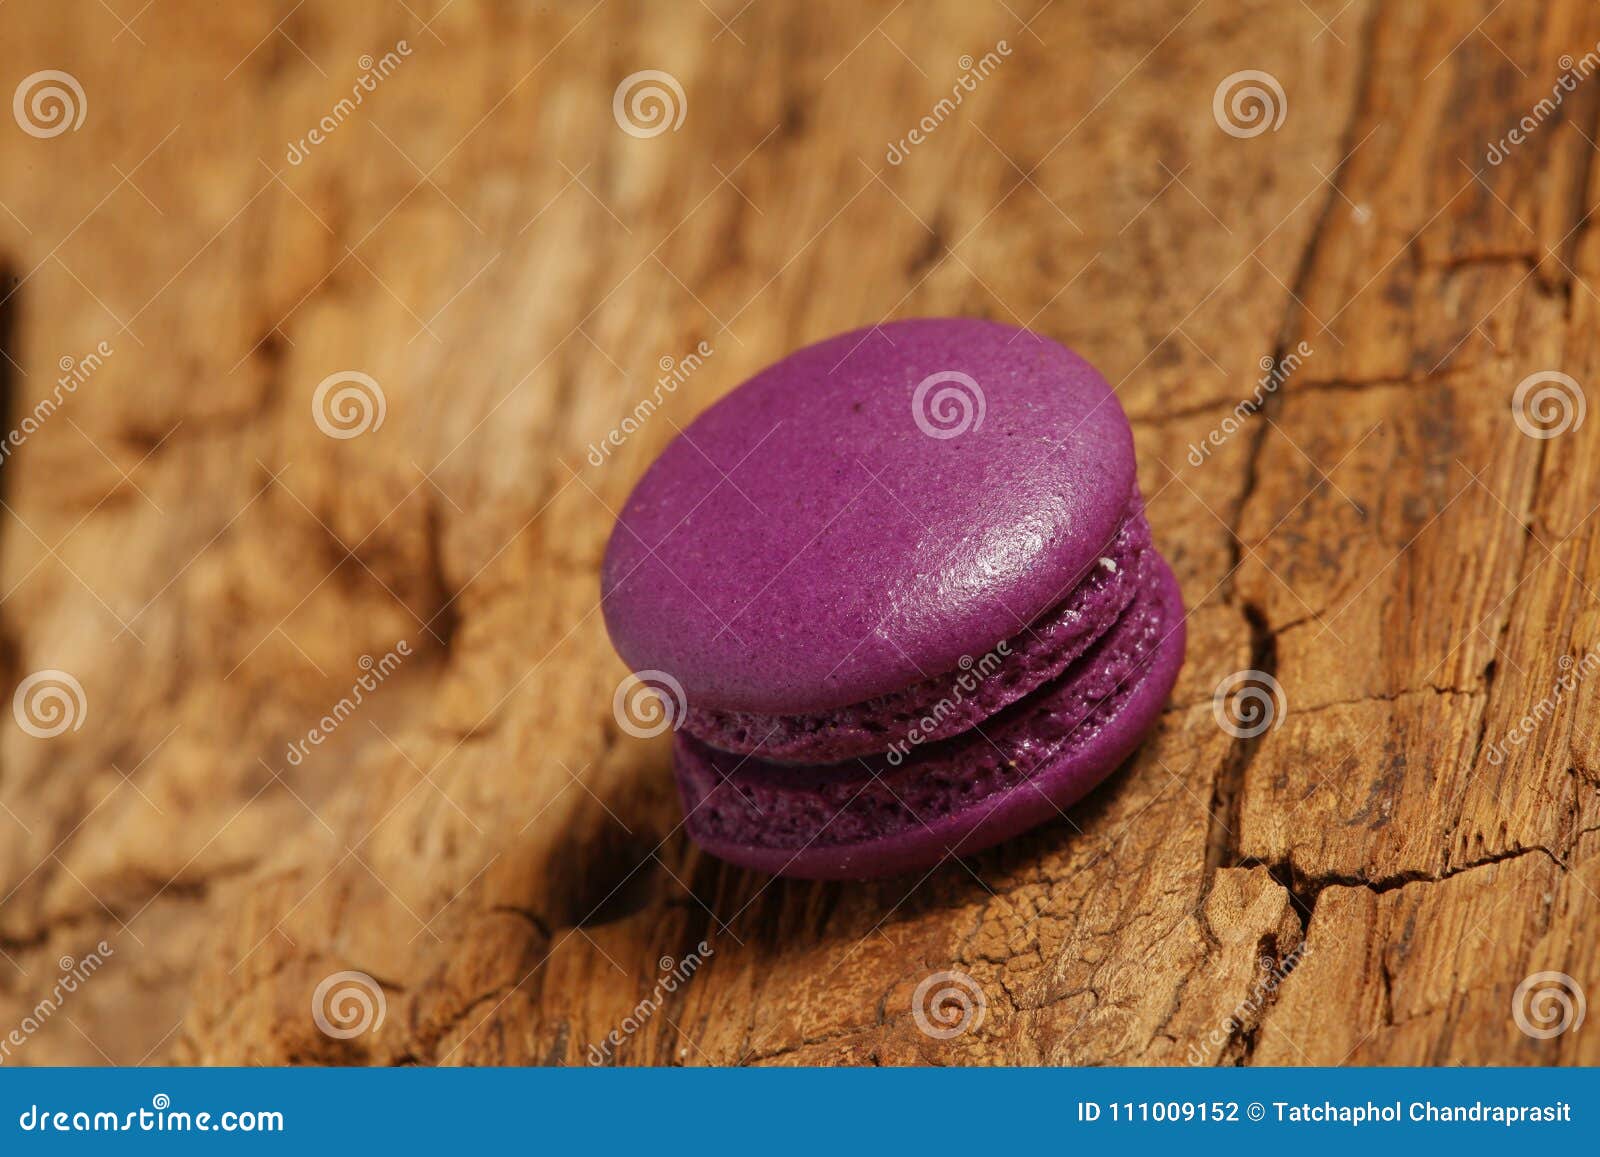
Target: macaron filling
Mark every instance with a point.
(1038, 755)
(954, 701)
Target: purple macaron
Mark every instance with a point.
(899, 598)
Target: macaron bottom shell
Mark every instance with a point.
(863, 818)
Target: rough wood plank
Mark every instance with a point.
(1369, 881)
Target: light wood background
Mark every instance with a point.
(482, 239)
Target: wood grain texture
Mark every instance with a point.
(1367, 881)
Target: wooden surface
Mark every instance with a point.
(482, 239)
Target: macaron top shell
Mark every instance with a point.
(866, 512)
